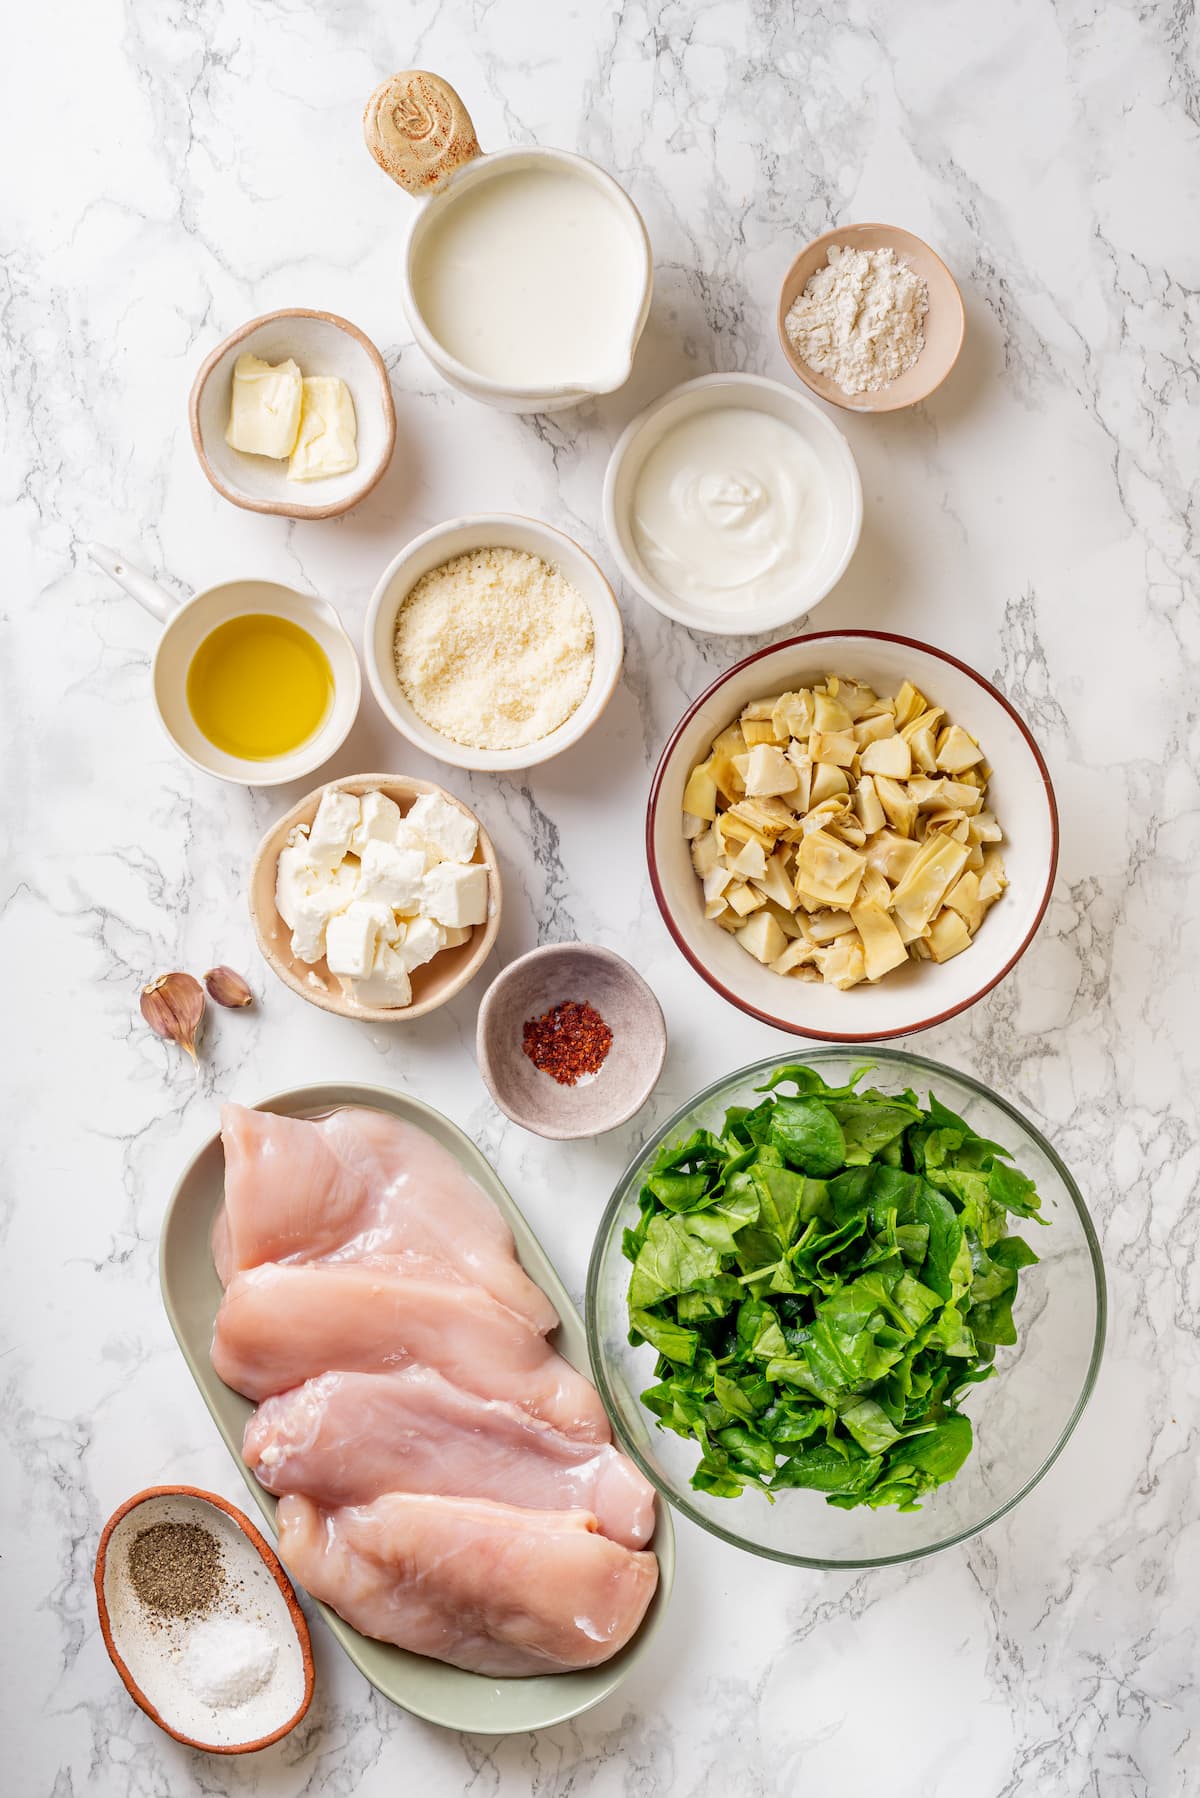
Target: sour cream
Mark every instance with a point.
(533, 278)
(729, 508)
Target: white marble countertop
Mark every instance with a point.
(172, 170)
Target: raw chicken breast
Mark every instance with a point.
(488, 1587)
(346, 1438)
(280, 1325)
(359, 1183)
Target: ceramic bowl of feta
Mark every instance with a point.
(376, 897)
(293, 414)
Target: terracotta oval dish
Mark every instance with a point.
(533, 985)
(945, 322)
(457, 537)
(432, 984)
(920, 993)
(441, 1694)
(322, 344)
(149, 1649)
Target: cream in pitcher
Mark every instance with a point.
(532, 278)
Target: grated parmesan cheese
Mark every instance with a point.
(494, 649)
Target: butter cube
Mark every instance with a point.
(452, 833)
(392, 876)
(328, 431)
(454, 894)
(387, 984)
(333, 828)
(264, 407)
(352, 937)
(379, 819)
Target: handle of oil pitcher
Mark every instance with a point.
(157, 601)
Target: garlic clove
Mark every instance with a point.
(173, 1006)
(225, 987)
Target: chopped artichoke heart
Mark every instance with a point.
(757, 731)
(766, 817)
(893, 855)
(774, 884)
(826, 782)
(867, 808)
(963, 898)
(798, 954)
(761, 708)
(700, 794)
(829, 714)
(909, 704)
(768, 772)
(837, 749)
(934, 868)
(706, 853)
(842, 963)
(762, 937)
(898, 804)
(948, 936)
(743, 900)
(827, 925)
(890, 756)
(751, 859)
(957, 751)
(882, 947)
(792, 714)
(870, 730)
(829, 870)
(726, 778)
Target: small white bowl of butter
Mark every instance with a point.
(344, 447)
(732, 504)
(527, 275)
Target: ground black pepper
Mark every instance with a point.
(176, 1569)
(568, 1042)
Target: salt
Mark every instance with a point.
(227, 1662)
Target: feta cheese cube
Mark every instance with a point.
(264, 407)
(295, 876)
(419, 941)
(456, 936)
(335, 823)
(313, 912)
(453, 833)
(351, 938)
(387, 984)
(407, 837)
(327, 439)
(392, 876)
(454, 894)
(379, 820)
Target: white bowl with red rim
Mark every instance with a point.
(920, 994)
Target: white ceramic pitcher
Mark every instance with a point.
(421, 134)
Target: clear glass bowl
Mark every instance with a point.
(1022, 1416)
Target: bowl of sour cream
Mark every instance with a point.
(732, 504)
(527, 275)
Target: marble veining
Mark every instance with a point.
(172, 170)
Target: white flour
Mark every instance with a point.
(860, 319)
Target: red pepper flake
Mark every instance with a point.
(568, 1042)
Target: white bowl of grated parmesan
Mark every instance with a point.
(493, 642)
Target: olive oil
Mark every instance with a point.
(259, 686)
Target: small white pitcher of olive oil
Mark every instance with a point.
(254, 682)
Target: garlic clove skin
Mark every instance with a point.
(173, 1006)
(226, 987)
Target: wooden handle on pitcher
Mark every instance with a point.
(418, 130)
